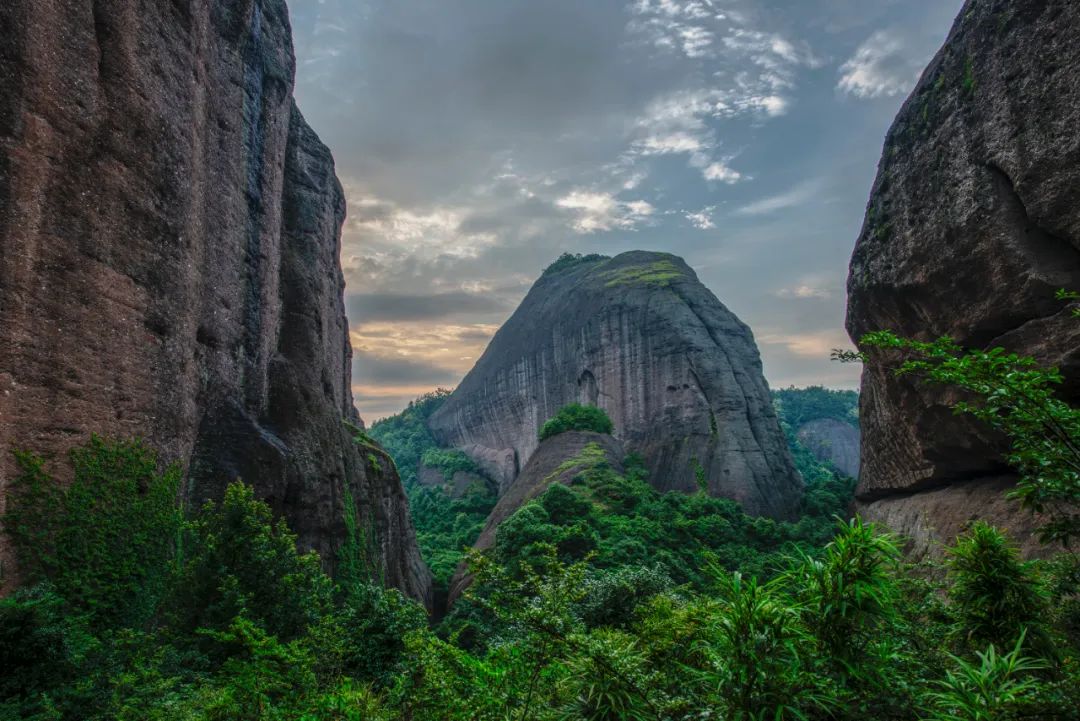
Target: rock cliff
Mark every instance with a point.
(973, 222)
(169, 238)
(557, 460)
(639, 336)
(834, 442)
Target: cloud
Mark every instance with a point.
(881, 67)
(808, 345)
(596, 211)
(702, 219)
(805, 291)
(369, 368)
(374, 307)
(798, 195)
(478, 139)
(721, 172)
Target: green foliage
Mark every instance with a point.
(406, 436)
(659, 273)
(603, 599)
(449, 461)
(847, 594)
(1013, 395)
(242, 563)
(444, 525)
(751, 650)
(798, 406)
(43, 645)
(576, 417)
(992, 689)
(106, 541)
(570, 260)
(996, 598)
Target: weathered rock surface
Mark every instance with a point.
(456, 486)
(557, 460)
(169, 238)
(832, 441)
(639, 336)
(973, 222)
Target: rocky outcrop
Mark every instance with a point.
(456, 486)
(834, 442)
(169, 238)
(639, 336)
(973, 223)
(558, 459)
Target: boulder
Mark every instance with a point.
(972, 225)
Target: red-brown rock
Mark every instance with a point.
(169, 238)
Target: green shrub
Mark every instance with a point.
(576, 417)
(242, 563)
(995, 596)
(106, 541)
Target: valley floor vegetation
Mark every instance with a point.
(601, 600)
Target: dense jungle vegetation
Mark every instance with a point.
(600, 600)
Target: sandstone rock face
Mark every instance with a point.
(973, 222)
(832, 441)
(557, 460)
(639, 336)
(169, 238)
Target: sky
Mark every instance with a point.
(479, 139)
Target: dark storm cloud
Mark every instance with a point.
(478, 139)
(375, 307)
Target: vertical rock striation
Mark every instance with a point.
(169, 239)
(639, 336)
(973, 223)
(832, 441)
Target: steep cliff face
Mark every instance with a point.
(834, 442)
(973, 222)
(557, 460)
(169, 229)
(639, 336)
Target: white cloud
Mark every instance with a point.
(702, 219)
(675, 142)
(720, 171)
(879, 68)
(796, 196)
(433, 230)
(599, 211)
(804, 291)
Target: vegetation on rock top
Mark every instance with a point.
(577, 417)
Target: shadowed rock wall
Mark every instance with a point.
(973, 223)
(169, 238)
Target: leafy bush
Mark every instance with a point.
(569, 260)
(242, 563)
(1014, 395)
(996, 598)
(576, 417)
(107, 540)
(797, 406)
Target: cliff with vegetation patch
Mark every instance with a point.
(972, 225)
(640, 337)
(169, 239)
